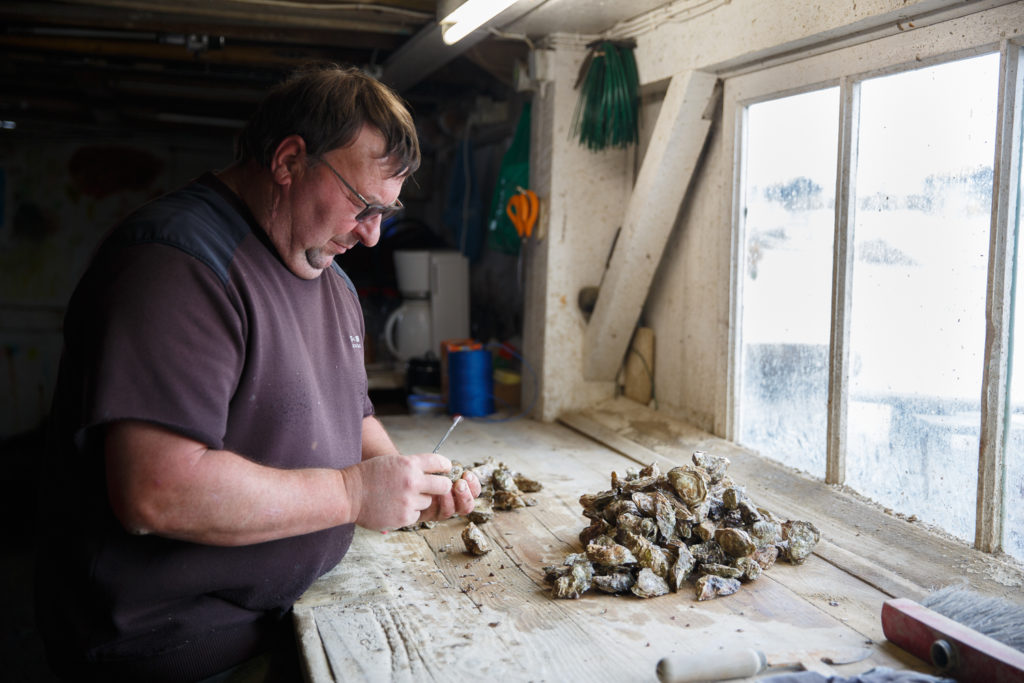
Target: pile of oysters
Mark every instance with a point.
(651, 533)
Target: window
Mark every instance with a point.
(789, 201)
(923, 203)
(865, 204)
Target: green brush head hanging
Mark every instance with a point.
(606, 112)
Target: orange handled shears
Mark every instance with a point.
(522, 210)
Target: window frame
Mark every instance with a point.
(846, 67)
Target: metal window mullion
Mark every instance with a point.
(842, 279)
(995, 395)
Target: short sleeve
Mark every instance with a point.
(169, 344)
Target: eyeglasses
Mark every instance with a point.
(370, 209)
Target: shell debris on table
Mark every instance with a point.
(651, 533)
(501, 488)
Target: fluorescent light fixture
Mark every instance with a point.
(469, 16)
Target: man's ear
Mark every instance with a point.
(288, 159)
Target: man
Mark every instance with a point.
(213, 444)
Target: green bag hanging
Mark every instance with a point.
(514, 173)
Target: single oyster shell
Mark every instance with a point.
(610, 555)
(710, 586)
(649, 584)
(764, 532)
(595, 502)
(614, 582)
(748, 512)
(475, 540)
(629, 522)
(800, 539)
(681, 568)
(766, 556)
(701, 511)
(652, 557)
(708, 552)
(714, 465)
(644, 502)
(735, 542)
(484, 471)
(664, 517)
(731, 497)
(527, 485)
(503, 480)
(507, 500)
(640, 484)
(455, 473)
(598, 527)
(483, 511)
(555, 571)
(575, 583)
(705, 530)
(651, 470)
(750, 568)
(690, 483)
(620, 507)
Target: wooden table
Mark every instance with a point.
(415, 606)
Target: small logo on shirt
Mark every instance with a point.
(356, 342)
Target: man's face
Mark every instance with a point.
(323, 210)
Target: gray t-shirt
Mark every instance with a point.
(187, 318)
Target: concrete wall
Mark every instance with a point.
(585, 192)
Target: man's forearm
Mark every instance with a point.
(376, 440)
(165, 484)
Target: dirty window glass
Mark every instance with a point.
(788, 203)
(917, 329)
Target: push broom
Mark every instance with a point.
(969, 637)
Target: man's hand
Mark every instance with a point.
(392, 491)
(459, 501)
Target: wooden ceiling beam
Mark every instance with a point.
(245, 55)
(25, 18)
(253, 13)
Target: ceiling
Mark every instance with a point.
(200, 65)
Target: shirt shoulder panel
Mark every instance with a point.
(196, 219)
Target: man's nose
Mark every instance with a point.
(368, 231)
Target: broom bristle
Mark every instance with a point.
(991, 616)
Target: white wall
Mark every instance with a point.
(584, 195)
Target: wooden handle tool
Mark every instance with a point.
(724, 665)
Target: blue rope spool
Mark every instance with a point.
(470, 383)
